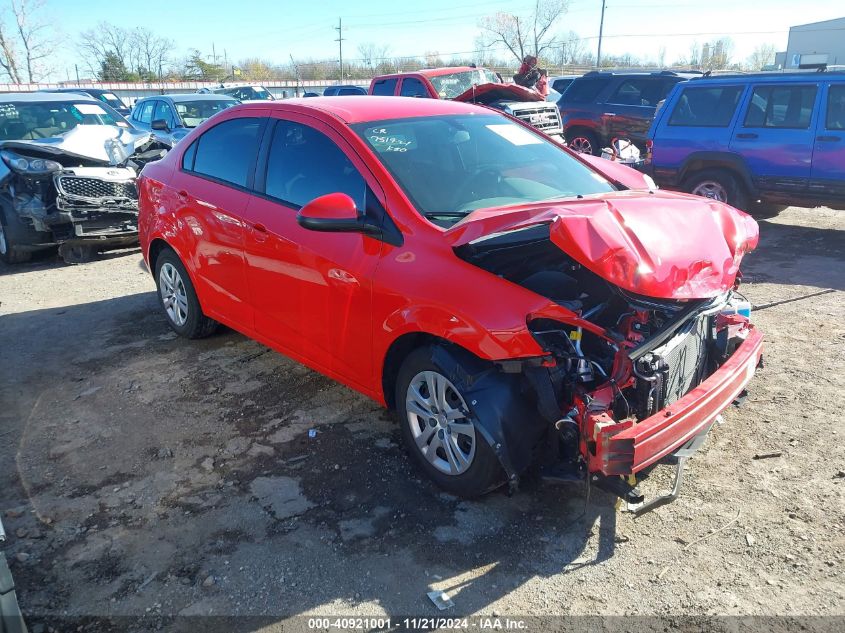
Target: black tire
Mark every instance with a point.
(11, 251)
(717, 184)
(484, 472)
(195, 324)
(580, 140)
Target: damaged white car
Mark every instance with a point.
(68, 165)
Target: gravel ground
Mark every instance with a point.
(147, 476)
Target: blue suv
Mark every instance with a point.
(774, 138)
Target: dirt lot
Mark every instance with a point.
(144, 475)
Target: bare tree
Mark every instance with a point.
(26, 42)
(141, 53)
(762, 56)
(571, 49)
(373, 54)
(525, 34)
(151, 51)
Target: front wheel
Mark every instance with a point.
(583, 142)
(438, 429)
(10, 251)
(178, 298)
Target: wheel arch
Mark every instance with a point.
(733, 163)
(396, 353)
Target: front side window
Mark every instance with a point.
(786, 107)
(835, 119)
(706, 107)
(304, 164)
(385, 87)
(412, 87)
(145, 111)
(164, 112)
(451, 165)
(227, 151)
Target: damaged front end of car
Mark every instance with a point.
(76, 191)
(645, 335)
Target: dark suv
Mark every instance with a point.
(603, 105)
(774, 137)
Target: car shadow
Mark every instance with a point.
(49, 260)
(362, 525)
(797, 255)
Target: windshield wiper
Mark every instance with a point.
(446, 214)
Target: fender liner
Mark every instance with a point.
(504, 417)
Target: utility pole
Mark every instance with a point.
(601, 29)
(339, 40)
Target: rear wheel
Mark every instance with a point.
(178, 298)
(439, 432)
(583, 142)
(717, 184)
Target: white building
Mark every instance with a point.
(815, 44)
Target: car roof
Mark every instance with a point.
(789, 77)
(191, 96)
(432, 72)
(45, 97)
(642, 73)
(78, 89)
(354, 109)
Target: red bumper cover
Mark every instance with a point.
(623, 449)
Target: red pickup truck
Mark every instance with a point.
(473, 85)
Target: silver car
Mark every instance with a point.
(171, 117)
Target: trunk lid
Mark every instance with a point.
(662, 245)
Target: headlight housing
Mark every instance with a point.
(29, 166)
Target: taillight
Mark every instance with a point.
(649, 144)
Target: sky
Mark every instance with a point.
(276, 30)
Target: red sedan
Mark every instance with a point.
(514, 302)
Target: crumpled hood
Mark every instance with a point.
(663, 245)
(487, 93)
(111, 144)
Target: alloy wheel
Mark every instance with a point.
(173, 294)
(711, 189)
(440, 424)
(581, 144)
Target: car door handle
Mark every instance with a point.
(828, 139)
(259, 227)
(746, 135)
(182, 195)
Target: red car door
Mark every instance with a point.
(211, 189)
(311, 290)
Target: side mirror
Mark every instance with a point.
(161, 125)
(335, 213)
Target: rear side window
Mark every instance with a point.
(413, 88)
(835, 119)
(706, 107)
(227, 151)
(785, 107)
(585, 90)
(385, 87)
(304, 164)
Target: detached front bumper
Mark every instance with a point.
(625, 449)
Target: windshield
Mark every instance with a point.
(193, 113)
(455, 84)
(28, 121)
(450, 166)
(112, 99)
(261, 93)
